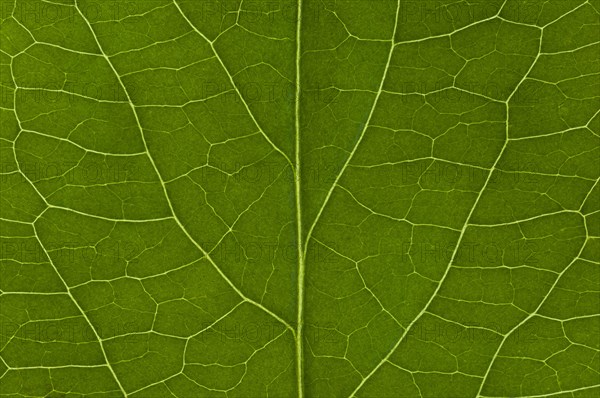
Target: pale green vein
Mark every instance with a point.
(299, 233)
(250, 113)
(64, 283)
(362, 133)
(534, 313)
(462, 233)
(164, 188)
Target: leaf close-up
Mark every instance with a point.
(300, 198)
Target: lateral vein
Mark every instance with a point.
(162, 183)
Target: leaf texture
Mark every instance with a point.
(309, 198)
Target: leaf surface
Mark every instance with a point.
(318, 199)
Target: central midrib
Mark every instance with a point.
(299, 240)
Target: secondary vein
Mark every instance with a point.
(362, 133)
(164, 188)
(37, 237)
(230, 77)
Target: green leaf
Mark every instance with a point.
(300, 198)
